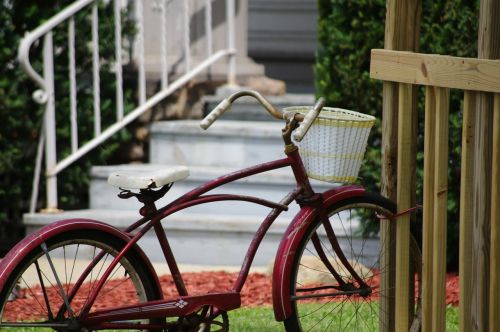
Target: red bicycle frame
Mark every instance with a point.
(195, 197)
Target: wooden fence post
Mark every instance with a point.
(428, 207)
(488, 48)
(405, 192)
(440, 197)
(402, 30)
(435, 209)
(495, 222)
(466, 216)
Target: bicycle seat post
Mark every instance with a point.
(149, 205)
(148, 197)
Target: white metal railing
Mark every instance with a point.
(46, 94)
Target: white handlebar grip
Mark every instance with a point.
(215, 113)
(308, 120)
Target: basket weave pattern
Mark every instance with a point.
(334, 146)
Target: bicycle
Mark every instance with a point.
(39, 285)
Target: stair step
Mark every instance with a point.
(225, 143)
(198, 239)
(249, 109)
(220, 223)
(194, 238)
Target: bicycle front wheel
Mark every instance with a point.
(53, 283)
(342, 273)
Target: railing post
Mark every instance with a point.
(230, 15)
(50, 124)
(96, 80)
(164, 46)
(139, 11)
(118, 60)
(208, 27)
(72, 85)
(187, 36)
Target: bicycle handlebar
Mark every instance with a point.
(222, 107)
(308, 120)
(225, 104)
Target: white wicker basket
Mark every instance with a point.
(334, 146)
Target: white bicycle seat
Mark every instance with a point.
(148, 180)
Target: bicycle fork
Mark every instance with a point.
(364, 289)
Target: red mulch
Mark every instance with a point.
(258, 288)
(256, 292)
(452, 289)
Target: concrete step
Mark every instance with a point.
(273, 185)
(199, 239)
(224, 144)
(194, 238)
(249, 109)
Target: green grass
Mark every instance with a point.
(253, 319)
(452, 319)
(262, 319)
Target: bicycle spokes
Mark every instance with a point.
(51, 288)
(339, 269)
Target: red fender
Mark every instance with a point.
(289, 244)
(23, 248)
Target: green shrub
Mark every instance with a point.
(348, 30)
(22, 117)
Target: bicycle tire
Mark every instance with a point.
(24, 297)
(311, 279)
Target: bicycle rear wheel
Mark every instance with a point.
(325, 295)
(64, 271)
